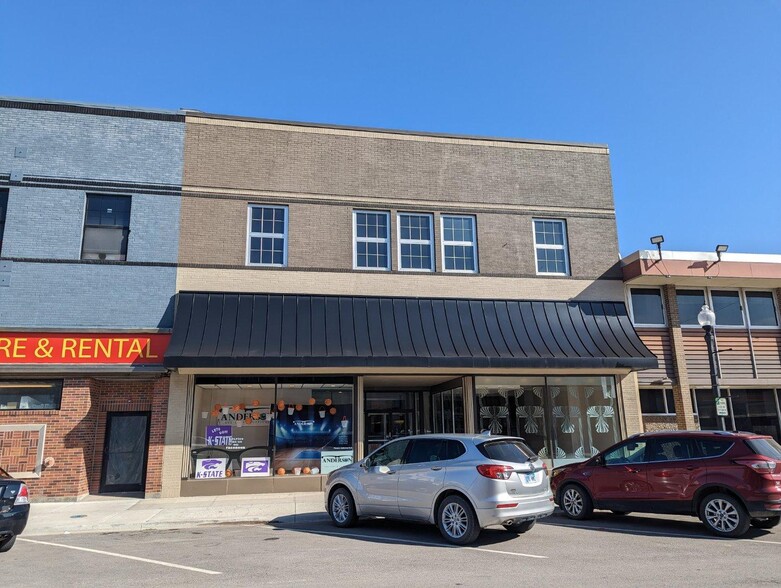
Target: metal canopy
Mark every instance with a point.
(223, 330)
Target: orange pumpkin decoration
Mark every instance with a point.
(242, 406)
(281, 472)
(256, 415)
(332, 410)
(328, 402)
(236, 407)
(228, 473)
(256, 403)
(218, 407)
(299, 407)
(281, 405)
(307, 470)
(312, 401)
(248, 420)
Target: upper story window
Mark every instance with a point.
(3, 208)
(647, 306)
(729, 306)
(106, 227)
(459, 243)
(761, 309)
(24, 395)
(267, 235)
(371, 245)
(690, 303)
(416, 242)
(550, 246)
(726, 305)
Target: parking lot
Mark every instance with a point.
(633, 550)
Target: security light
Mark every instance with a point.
(721, 249)
(658, 240)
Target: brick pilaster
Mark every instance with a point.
(683, 402)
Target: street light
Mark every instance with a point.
(707, 320)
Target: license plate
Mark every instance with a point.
(530, 477)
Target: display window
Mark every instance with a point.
(249, 428)
(563, 419)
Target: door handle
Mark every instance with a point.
(436, 468)
(632, 470)
(690, 468)
(391, 472)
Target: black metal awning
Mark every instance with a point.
(222, 330)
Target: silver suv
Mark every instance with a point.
(461, 483)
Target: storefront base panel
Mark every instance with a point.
(268, 485)
(59, 453)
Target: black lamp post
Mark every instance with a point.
(707, 320)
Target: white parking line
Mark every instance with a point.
(134, 558)
(425, 543)
(644, 532)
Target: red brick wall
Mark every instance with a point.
(75, 433)
(19, 450)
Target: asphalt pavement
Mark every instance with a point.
(636, 550)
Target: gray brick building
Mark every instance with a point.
(90, 198)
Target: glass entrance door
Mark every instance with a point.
(125, 452)
(389, 415)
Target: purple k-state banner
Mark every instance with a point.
(219, 435)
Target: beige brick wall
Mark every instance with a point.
(395, 284)
(175, 451)
(630, 400)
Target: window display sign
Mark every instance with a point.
(333, 460)
(255, 467)
(210, 467)
(219, 436)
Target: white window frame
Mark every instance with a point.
(741, 301)
(261, 235)
(386, 240)
(632, 310)
(666, 405)
(472, 243)
(564, 247)
(429, 242)
(707, 299)
(747, 316)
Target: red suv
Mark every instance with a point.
(729, 480)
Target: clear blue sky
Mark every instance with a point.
(687, 94)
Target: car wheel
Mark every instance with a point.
(620, 513)
(724, 516)
(7, 544)
(341, 507)
(766, 523)
(576, 503)
(520, 527)
(457, 521)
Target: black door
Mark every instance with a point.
(125, 452)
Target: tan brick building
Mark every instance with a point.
(342, 286)
(665, 295)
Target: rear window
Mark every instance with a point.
(713, 447)
(767, 447)
(510, 450)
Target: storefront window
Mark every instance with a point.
(263, 428)
(755, 410)
(447, 411)
(563, 419)
(23, 395)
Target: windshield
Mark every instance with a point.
(767, 447)
(512, 450)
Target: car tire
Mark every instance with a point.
(457, 521)
(619, 513)
(766, 522)
(575, 502)
(520, 527)
(7, 544)
(341, 508)
(724, 515)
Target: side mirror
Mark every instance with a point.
(363, 464)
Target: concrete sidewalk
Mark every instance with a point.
(106, 514)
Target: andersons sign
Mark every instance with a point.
(65, 348)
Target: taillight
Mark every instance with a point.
(495, 472)
(23, 497)
(761, 466)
